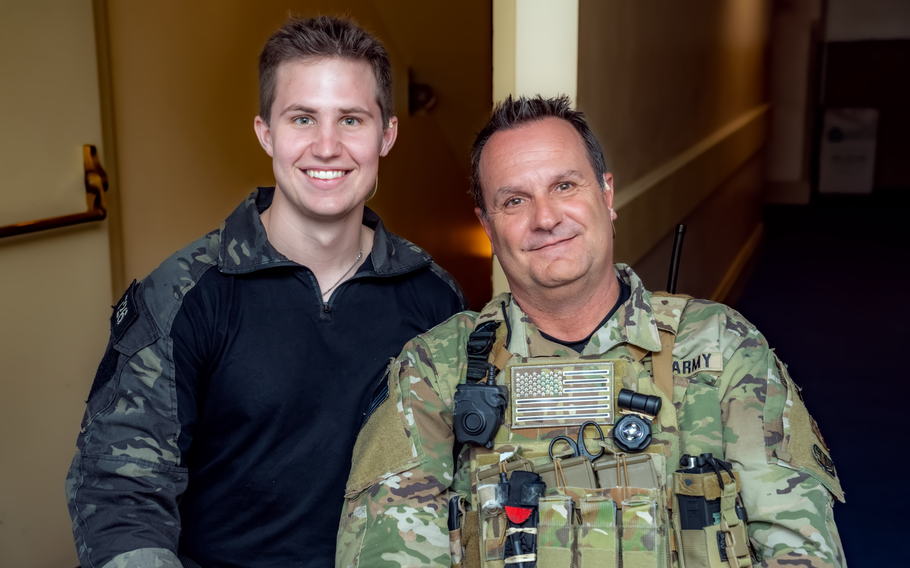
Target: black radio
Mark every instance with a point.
(479, 410)
(696, 512)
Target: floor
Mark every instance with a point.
(829, 291)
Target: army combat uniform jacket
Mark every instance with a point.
(223, 413)
(731, 397)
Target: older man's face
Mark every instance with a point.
(547, 219)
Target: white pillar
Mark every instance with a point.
(535, 51)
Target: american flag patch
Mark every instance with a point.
(561, 395)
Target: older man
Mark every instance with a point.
(710, 458)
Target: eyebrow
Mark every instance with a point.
(567, 174)
(355, 110)
(298, 108)
(553, 180)
(308, 110)
(497, 195)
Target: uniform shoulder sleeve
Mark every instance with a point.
(395, 513)
(769, 436)
(127, 476)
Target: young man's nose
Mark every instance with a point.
(328, 141)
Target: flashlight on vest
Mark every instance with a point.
(632, 433)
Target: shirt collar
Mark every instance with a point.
(244, 246)
(634, 322)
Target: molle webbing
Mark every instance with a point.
(662, 363)
(479, 345)
(671, 307)
(486, 351)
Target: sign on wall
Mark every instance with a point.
(848, 150)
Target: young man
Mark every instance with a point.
(221, 420)
(573, 332)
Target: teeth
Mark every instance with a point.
(324, 174)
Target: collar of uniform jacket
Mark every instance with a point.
(634, 322)
(245, 248)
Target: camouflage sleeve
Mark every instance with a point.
(395, 514)
(125, 480)
(769, 437)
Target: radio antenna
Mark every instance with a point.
(674, 259)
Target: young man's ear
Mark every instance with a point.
(389, 134)
(264, 134)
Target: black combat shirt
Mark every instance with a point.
(270, 387)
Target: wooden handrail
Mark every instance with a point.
(95, 186)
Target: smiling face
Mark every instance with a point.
(547, 219)
(325, 137)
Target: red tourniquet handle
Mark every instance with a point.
(518, 515)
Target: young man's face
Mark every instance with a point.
(325, 137)
(547, 218)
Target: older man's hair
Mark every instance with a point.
(513, 113)
(323, 37)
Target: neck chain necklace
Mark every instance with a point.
(346, 272)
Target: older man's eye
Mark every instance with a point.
(565, 186)
(514, 201)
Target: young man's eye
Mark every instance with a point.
(350, 121)
(303, 120)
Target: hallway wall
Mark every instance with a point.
(677, 97)
(55, 291)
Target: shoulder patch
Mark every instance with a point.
(125, 313)
(823, 460)
(803, 447)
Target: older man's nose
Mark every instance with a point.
(547, 214)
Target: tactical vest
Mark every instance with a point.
(621, 509)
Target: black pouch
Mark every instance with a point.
(709, 519)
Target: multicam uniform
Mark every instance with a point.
(731, 397)
(226, 379)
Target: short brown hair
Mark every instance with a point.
(513, 113)
(324, 37)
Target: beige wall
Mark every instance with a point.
(185, 94)
(55, 292)
(676, 96)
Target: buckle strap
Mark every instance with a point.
(480, 343)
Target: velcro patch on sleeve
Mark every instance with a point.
(383, 447)
(803, 447)
(105, 371)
